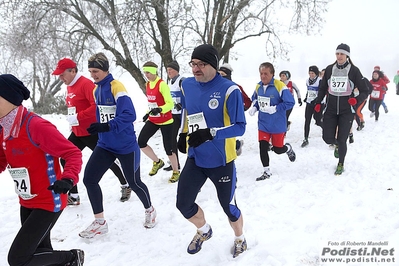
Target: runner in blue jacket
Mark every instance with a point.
(272, 99)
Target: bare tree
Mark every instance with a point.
(33, 46)
(134, 31)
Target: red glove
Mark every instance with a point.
(317, 108)
(352, 101)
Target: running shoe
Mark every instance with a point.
(305, 143)
(351, 139)
(73, 201)
(239, 247)
(290, 152)
(79, 258)
(126, 193)
(199, 238)
(156, 166)
(336, 152)
(150, 216)
(265, 175)
(340, 169)
(175, 177)
(95, 228)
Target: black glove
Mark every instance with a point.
(200, 136)
(61, 186)
(155, 111)
(145, 117)
(178, 106)
(300, 101)
(97, 128)
(182, 143)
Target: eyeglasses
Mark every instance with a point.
(200, 65)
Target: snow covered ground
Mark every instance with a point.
(288, 220)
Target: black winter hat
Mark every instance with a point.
(314, 69)
(343, 48)
(13, 90)
(207, 54)
(174, 65)
(286, 73)
(226, 69)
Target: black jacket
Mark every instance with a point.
(339, 104)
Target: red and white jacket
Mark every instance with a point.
(80, 96)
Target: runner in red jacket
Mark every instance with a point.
(32, 158)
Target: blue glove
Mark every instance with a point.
(98, 127)
(61, 186)
(200, 136)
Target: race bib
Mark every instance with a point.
(152, 106)
(312, 95)
(339, 84)
(107, 113)
(195, 122)
(21, 182)
(375, 94)
(72, 111)
(263, 103)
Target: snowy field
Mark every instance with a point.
(288, 220)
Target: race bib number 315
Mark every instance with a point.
(107, 113)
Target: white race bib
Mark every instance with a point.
(152, 106)
(339, 84)
(375, 94)
(22, 182)
(263, 103)
(311, 95)
(107, 113)
(195, 122)
(72, 111)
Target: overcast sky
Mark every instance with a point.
(370, 28)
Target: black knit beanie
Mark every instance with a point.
(207, 54)
(343, 48)
(13, 90)
(174, 65)
(314, 69)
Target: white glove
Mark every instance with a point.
(72, 120)
(252, 111)
(270, 109)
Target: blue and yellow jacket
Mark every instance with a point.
(112, 95)
(220, 102)
(281, 97)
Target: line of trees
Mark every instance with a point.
(37, 33)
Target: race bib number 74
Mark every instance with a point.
(22, 182)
